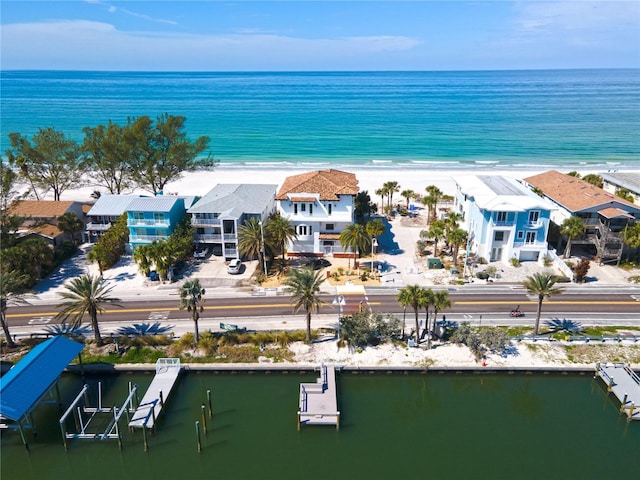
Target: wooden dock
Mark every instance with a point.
(319, 401)
(149, 409)
(624, 384)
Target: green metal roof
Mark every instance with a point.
(29, 379)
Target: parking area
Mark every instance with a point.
(213, 267)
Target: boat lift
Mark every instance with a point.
(84, 415)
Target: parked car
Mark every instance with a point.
(317, 263)
(235, 266)
(201, 253)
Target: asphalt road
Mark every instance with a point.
(491, 308)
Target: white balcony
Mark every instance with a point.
(205, 221)
(148, 223)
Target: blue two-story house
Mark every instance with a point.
(504, 219)
(154, 218)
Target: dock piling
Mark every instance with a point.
(198, 436)
(204, 419)
(209, 403)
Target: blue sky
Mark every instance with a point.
(330, 35)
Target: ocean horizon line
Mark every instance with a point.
(345, 71)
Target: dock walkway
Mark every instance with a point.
(624, 384)
(319, 401)
(145, 416)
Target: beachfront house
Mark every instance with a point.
(104, 213)
(320, 204)
(40, 218)
(504, 219)
(217, 216)
(155, 218)
(614, 182)
(605, 215)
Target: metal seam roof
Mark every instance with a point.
(29, 379)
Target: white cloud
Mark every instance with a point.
(97, 45)
(570, 34)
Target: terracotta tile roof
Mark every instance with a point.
(329, 184)
(612, 212)
(46, 230)
(573, 193)
(40, 208)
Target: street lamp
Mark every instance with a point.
(340, 301)
(262, 249)
(374, 243)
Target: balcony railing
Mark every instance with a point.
(205, 221)
(148, 223)
(214, 237)
(530, 244)
(503, 223)
(536, 224)
(146, 238)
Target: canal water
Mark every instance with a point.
(396, 426)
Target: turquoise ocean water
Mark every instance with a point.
(444, 120)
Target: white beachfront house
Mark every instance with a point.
(320, 204)
(504, 219)
(217, 216)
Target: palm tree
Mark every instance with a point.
(415, 297)
(631, 236)
(191, 299)
(434, 195)
(456, 238)
(382, 192)
(436, 231)
(280, 230)
(85, 295)
(304, 286)
(354, 237)
(440, 302)
(542, 285)
(10, 282)
(572, 227)
(408, 195)
(391, 188)
(142, 256)
(250, 240)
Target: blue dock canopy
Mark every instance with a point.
(29, 379)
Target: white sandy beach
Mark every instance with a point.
(369, 179)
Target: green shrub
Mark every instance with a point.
(514, 262)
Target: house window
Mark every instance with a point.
(329, 208)
(295, 208)
(303, 207)
(311, 209)
(520, 235)
(498, 236)
(302, 229)
(138, 216)
(501, 217)
(530, 238)
(330, 226)
(534, 215)
(158, 217)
